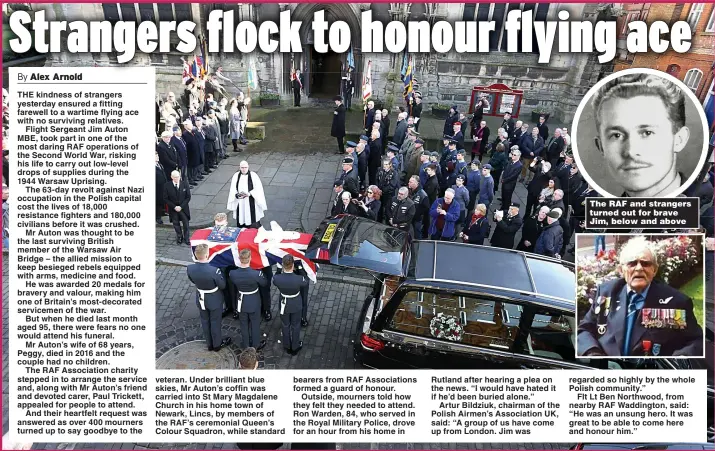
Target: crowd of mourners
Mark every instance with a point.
(451, 194)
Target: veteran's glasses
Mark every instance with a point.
(643, 263)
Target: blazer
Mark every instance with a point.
(511, 173)
(168, 157)
(604, 326)
(181, 198)
(193, 150)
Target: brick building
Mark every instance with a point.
(694, 68)
(556, 87)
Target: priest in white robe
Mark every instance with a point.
(246, 198)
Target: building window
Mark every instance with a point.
(115, 12)
(629, 18)
(497, 12)
(710, 27)
(696, 10)
(469, 10)
(692, 78)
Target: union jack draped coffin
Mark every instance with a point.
(223, 250)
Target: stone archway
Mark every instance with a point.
(322, 72)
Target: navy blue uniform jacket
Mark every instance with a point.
(665, 341)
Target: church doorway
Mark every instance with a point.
(326, 73)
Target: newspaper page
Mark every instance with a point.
(470, 198)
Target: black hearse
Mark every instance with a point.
(515, 309)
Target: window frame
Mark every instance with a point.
(710, 25)
(526, 310)
(501, 41)
(693, 73)
(137, 11)
(694, 15)
(631, 17)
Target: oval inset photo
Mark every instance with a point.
(640, 133)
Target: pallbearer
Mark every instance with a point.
(248, 302)
(209, 297)
(290, 286)
(229, 293)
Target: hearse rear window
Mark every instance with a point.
(486, 323)
(474, 321)
(494, 268)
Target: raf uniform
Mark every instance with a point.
(248, 283)
(290, 286)
(664, 323)
(209, 299)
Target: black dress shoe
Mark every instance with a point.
(201, 177)
(225, 313)
(192, 184)
(226, 341)
(159, 221)
(304, 322)
(297, 350)
(179, 240)
(235, 315)
(261, 345)
(288, 350)
(267, 316)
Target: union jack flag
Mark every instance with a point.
(266, 252)
(197, 67)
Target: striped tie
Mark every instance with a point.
(634, 306)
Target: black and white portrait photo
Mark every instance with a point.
(640, 133)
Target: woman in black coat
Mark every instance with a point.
(478, 228)
(533, 226)
(370, 204)
(338, 128)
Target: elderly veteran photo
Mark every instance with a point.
(640, 295)
(640, 133)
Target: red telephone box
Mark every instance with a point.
(501, 99)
